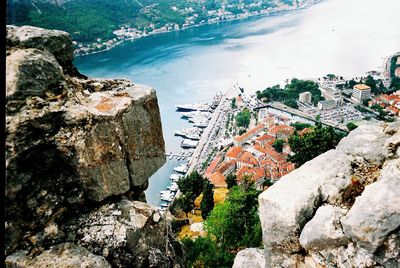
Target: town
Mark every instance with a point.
(245, 137)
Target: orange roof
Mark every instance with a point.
(274, 155)
(213, 165)
(255, 173)
(265, 137)
(225, 166)
(218, 179)
(361, 87)
(260, 149)
(265, 161)
(281, 129)
(248, 158)
(234, 152)
(249, 133)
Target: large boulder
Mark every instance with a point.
(291, 202)
(130, 232)
(60, 256)
(75, 146)
(32, 72)
(249, 257)
(324, 229)
(57, 43)
(376, 213)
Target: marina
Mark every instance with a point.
(199, 114)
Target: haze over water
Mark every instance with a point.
(344, 37)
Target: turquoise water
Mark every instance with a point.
(345, 37)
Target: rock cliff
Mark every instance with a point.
(341, 209)
(79, 152)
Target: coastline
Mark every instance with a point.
(260, 15)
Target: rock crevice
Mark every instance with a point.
(76, 145)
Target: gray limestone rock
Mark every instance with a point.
(130, 232)
(55, 42)
(376, 213)
(73, 148)
(366, 142)
(32, 72)
(249, 257)
(324, 230)
(60, 256)
(291, 202)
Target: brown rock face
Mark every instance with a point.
(73, 144)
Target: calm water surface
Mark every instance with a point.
(345, 37)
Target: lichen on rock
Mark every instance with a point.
(76, 145)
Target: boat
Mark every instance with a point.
(173, 187)
(175, 177)
(201, 124)
(199, 117)
(187, 143)
(198, 106)
(195, 114)
(192, 133)
(165, 192)
(181, 168)
(164, 205)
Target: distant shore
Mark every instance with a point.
(243, 17)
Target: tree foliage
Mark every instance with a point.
(351, 126)
(235, 223)
(231, 180)
(207, 203)
(191, 184)
(278, 145)
(204, 252)
(312, 144)
(290, 94)
(243, 118)
(185, 203)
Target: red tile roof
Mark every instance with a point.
(249, 133)
(248, 158)
(255, 173)
(218, 179)
(225, 166)
(281, 129)
(234, 152)
(213, 165)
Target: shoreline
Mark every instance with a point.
(260, 15)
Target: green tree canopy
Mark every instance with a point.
(207, 203)
(312, 144)
(278, 145)
(231, 180)
(243, 118)
(235, 223)
(192, 183)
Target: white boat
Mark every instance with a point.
(163, 205)
(173, 187)
(201, 124)
(181, 168)
(195, 114)
(198, 106)
(175, 177)
(187, 143)
(192, 133)
(165, 192)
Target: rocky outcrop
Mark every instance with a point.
(74, 147)
(341, 209)
(249, 257)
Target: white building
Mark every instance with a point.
(361, 92)
(305, 97)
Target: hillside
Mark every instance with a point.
(87, 20)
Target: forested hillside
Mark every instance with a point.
(87, 20)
